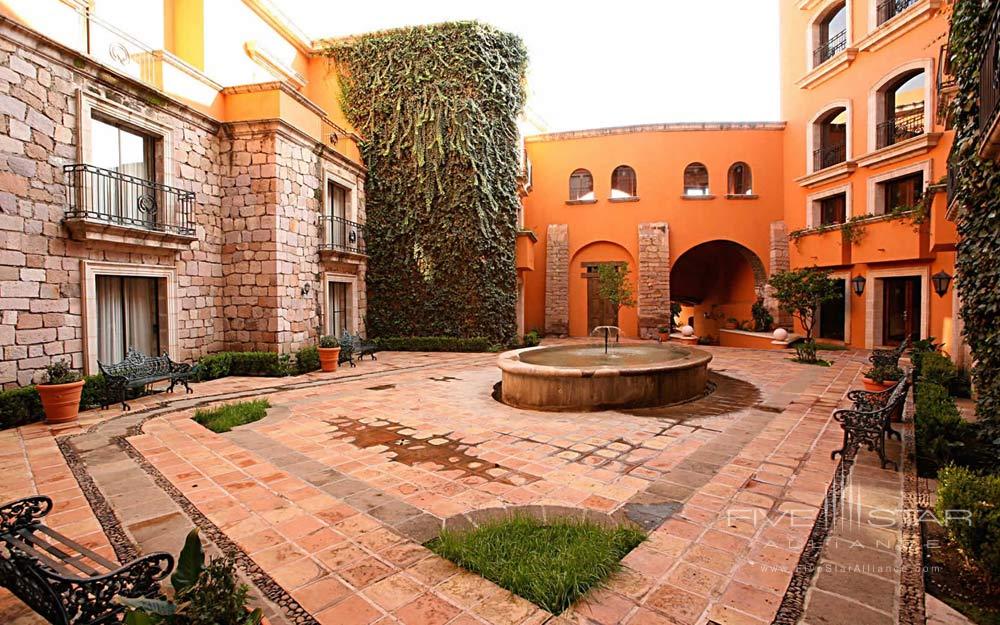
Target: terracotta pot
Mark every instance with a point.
(61, 401)
(730, 325)
(664, 337)
(328, 358)
(872, 385)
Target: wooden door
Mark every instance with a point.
(831, 316)
(600, 312)
(900, 310)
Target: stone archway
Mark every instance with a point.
(715, 281)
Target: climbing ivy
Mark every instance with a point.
(437, 108)
(977, 189)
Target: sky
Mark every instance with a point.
(599, 64)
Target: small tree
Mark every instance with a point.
(613, 285)
(800, 293)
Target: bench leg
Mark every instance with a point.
(187, 389)
(844, 447)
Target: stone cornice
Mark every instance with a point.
(252, 128)
(669, 127)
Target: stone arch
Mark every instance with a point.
(599, 251)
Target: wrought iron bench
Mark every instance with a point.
(358, 345)
(869, 420)
(63, 581)
(889, 357)
(139, 370)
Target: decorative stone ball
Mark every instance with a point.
(780, 334)
(687, 331)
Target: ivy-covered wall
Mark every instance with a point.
(978, 193)
(437, 108)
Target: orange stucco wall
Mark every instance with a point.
(659, 156)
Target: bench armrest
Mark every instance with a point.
(869, 400)
(179, 367)
(873, 421)
(23, 512)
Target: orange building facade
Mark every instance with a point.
(851, 181)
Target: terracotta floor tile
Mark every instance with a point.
(427, 609)
(365, 572)
(351, 611)
(393, 591)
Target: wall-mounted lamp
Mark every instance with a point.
(305, 288)
(941, 281)
(858, 284)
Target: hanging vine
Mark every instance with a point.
(437, 108)
(977, 189)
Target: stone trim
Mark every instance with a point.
(873, 301)
(557, 279)
(876, 193)
(667, 127)
(353, 314)
(778, 260)
(654, 278)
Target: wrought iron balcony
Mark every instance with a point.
(828, 156)
(833, 46)
(989, 78)
(891, 8)
(900, 128)
(114, 198)
(341, 235)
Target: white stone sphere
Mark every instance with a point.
(687, 331)
(780, 334)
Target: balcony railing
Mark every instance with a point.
(341, 235)
(900, 128)
(829, 156)
(891, 8)
(833, 46)
(120, 199)
(989, 75)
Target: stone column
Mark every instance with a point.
(779, 261)
(557, 280)
(654, 278)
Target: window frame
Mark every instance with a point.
(813, 32)
(747, 176)
(708, 181)
(580, 172)
(876, 102)
(625, 170)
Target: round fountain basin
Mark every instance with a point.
(584, 378)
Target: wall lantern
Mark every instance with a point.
(941, 281)
(305, 289)
(858, 283)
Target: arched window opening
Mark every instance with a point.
(740, 179)
(696, 180)
(623, 182)
(831, 137)
(901, 108)
(581, 185)
(831, 34)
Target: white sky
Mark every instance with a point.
(595, 64)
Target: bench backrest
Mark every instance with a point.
(137, 365)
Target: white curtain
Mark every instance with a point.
(127, 311)
(110, 319)
(140, 315)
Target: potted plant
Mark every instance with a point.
(60, 392)
(329, 352)
(882, 377)
(732, 323)
(664, 332)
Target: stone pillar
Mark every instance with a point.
(557, 280)
(654, 278)
(779, 261)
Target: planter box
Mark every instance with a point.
(822, 249)
(891, 240)
(752, 340)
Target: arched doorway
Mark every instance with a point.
(714, 282)
(586, 308)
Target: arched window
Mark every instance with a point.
(900, 108)
(695, 179)
(830, 139)
(623, 182)
(830, 34)
(740, 179)
(581, 185)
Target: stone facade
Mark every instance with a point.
(654, 278)
(779, 261)
(237, 283)
(557, 280)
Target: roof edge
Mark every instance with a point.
(667, 127)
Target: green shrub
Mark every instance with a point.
(226, 417)
(214, 366)
(329, 341)
(551, 565)
(306, 360)
(20, 406)
(94, 390)
(258, 364)
(434, 344)
(943, 437)
(531, 339)
(969, 505)
(936, 368)
(884, 373)
(61, 372)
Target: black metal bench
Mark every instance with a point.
(63, 581)
(358, 345)
(139, 370)
(869, 420)
(889, 357)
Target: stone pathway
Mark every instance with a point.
(325, 503)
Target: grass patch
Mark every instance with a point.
(225, 418)
(831, 347)
(551, 565)
(819, 362)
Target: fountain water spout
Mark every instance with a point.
(607, 330)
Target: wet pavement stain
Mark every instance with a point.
(444, 453)
(444, 378)
(381, 387)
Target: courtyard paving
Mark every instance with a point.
(326, 502)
